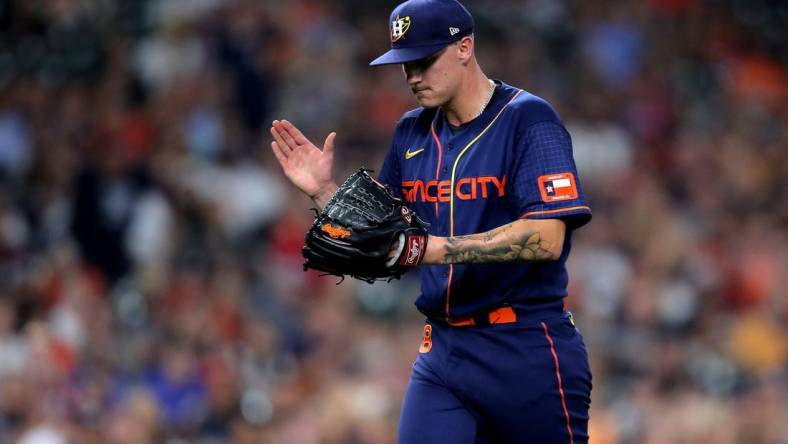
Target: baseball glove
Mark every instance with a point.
(357, 229)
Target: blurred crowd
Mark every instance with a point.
(151, 283)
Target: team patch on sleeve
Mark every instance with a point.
(557, 187)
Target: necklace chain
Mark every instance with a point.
(487, 100)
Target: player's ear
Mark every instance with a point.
(465, 49)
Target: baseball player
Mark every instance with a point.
(490, 167)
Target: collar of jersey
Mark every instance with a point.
(502, 95)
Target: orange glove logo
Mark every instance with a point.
(336, 232)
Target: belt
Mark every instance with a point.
(506, 314)
(501, 315)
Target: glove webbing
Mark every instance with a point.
(334, 197)
(354, 208)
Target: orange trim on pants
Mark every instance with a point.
(560, 382)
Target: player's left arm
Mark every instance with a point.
(521, 240)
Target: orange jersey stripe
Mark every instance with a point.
(448, 288)
(560, 210)
(440, 157)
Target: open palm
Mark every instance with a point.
(307, 166)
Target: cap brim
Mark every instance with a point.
(405, 55)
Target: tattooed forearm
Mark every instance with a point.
(508, 243)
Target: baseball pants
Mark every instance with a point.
(522, 382)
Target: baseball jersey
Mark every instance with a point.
(513, 161)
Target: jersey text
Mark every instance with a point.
(467, 188)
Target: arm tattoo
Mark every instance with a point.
(503, 244)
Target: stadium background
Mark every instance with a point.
(150, 272)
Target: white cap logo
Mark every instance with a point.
(453, 31)
(399, 27)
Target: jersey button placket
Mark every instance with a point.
(449, 158)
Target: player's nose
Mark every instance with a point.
(412, 75)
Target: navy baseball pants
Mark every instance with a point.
(522, 382)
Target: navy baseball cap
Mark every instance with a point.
(420, 28)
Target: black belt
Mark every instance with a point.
(505, 314)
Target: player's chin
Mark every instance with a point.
(427, 101)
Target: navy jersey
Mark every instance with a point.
(513, 161)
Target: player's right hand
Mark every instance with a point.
(307, 166)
